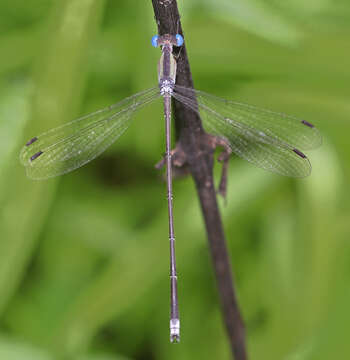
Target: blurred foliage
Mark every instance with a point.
(84, 257)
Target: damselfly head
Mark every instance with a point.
(174, 40)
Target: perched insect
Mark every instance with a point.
(270, 140)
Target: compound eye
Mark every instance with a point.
(154, 40)
(179, 40)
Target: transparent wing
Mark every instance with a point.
(267, 139)
(72, 145)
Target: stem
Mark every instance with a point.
(199, 155)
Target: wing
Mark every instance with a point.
(267, 139)
(72, 145)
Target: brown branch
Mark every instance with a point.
(198, 147)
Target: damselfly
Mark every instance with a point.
(270, 140)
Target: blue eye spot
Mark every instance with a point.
(179, 39)
(155, 40)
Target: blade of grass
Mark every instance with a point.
(59, 85)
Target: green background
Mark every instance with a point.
(84, 257)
